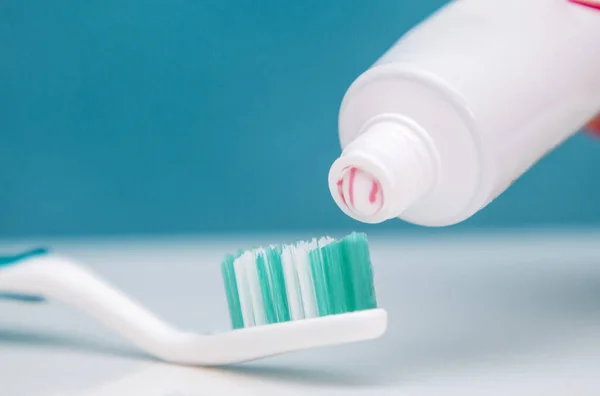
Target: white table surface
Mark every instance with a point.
(503, 314)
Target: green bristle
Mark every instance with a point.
(265, 287)
(337, 290)
(347, 277)
(278, 284)
(357, 257)
(233, 298)
(322, 291)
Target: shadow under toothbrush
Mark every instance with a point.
(14, 336)
(308, 376)
(10, 335)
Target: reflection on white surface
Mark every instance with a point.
(166, 380)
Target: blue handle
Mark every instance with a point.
(6, 261)
(15, 259)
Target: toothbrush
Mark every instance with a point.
(281, 299)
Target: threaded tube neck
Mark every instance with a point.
(383, 172)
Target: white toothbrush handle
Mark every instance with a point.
(64, 280)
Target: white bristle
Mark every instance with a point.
(305, 278)
(324, 241)
(291, 284)
(239, 266)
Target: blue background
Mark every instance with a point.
(191, 116)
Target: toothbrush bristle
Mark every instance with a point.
(302, 280)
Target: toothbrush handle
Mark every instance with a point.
(64, 280)
(6, 261)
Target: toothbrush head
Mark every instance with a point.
(320, 292)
